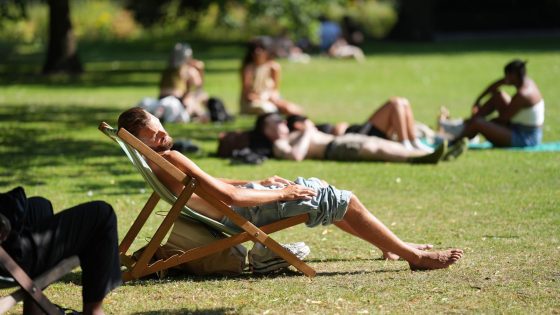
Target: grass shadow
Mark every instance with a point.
(35, 138)
(195, 311)
(111, 63)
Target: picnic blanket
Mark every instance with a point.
(543, 147)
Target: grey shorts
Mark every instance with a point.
(346, 147)
(329, 205)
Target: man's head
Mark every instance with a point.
(271, 126)
(515, 71)
(145, 127)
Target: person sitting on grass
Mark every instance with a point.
(41, 239)
(324, 203)
(520, 118)
(183, 79)
(271, 136)
(260, 81)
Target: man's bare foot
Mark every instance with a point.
(436, 260)
(393, 256)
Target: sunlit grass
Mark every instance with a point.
(502, 207)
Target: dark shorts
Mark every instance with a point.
(367, 129)
(523, 136)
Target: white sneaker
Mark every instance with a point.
(263, 260)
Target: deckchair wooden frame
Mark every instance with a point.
(141, 266)
(33, 288)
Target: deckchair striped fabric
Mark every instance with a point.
(143, 168)
(137, 267)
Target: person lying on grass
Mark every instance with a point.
(275, 198)
(272, 137)
(393, 120)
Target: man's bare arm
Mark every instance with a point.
(297, 148)
(273, 180)
(230, 194)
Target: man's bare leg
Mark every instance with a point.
(377, 149)
(390, 117)
(386, 254)
(392, 256)
(497, 134)
(497, 102)
(369, 228)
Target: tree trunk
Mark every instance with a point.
(62, 53)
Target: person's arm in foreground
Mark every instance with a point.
(230, 194)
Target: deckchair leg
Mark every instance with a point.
(255, 233)
(289, 257)
(138, 223)
(63, 267)
(26, 283)
(164, 227)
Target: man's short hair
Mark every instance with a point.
(133, 120)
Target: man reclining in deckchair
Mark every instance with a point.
(276, 198)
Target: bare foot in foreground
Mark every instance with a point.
(436, 260)
(393, 256)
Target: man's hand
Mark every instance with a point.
(276, 180)
(296, 192)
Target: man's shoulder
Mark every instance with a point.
(170, 155)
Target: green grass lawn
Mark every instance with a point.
(501, 207)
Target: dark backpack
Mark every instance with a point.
(217, 109)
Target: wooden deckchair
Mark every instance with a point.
(32, 288)
(136, 268)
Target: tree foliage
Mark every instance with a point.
(12, 10)
(292, 15)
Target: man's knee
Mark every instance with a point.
(352, 203)
(105, 211)
(353, 208)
